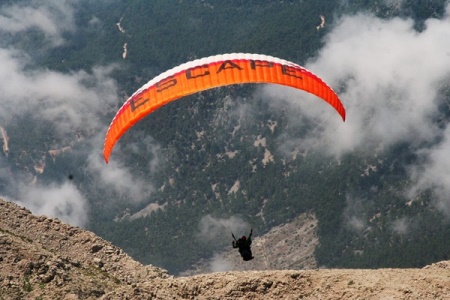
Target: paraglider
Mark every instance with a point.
(211, 72)
(244, 244)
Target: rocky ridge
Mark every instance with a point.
(43, 258)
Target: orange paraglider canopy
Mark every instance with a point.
(211, 72)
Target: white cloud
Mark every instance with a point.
(221, 264)
(70, 100)
(57, 201)
(433, 173)
(400, 226)
(215, 228)
(119, 178)
(391, 75)
(52, 18)
(353, 214)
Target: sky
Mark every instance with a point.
(388, 76)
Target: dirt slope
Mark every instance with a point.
(42, 258)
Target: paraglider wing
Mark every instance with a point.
(211, 72)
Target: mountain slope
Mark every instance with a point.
(43, 256)
(377, 183)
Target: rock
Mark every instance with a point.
(96, 248)
(97, 261)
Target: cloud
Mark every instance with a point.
(390, 78)
(126, 181)
(387, 75)
(52, 18)
(119, 178)
(145, 147)
(221, 264)
(353, 214)
(74, 100)
(400, 226)
(71, 102)
(62, 201)
(215, 228)
(433, 173)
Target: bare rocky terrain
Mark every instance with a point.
(43, 258)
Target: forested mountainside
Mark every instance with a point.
(238, 157)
